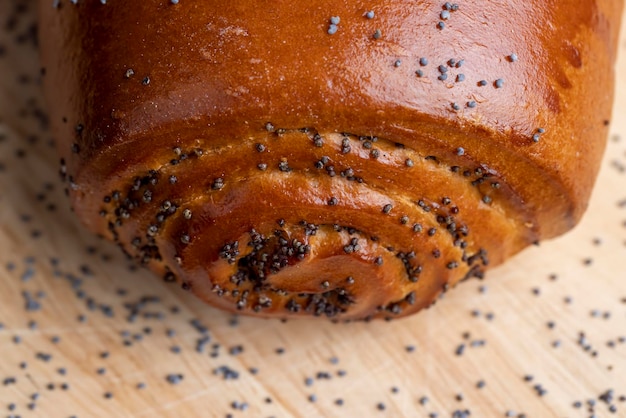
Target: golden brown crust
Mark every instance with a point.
(273, 160)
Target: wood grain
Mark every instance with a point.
(84, 299)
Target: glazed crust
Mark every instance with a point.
(280, 162)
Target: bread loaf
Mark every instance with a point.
(331, 158)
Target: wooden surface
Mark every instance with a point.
(66, 298)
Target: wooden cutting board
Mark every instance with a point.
(83, 333)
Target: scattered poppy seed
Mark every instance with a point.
(174, 378)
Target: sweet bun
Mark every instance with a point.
(331, 158)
